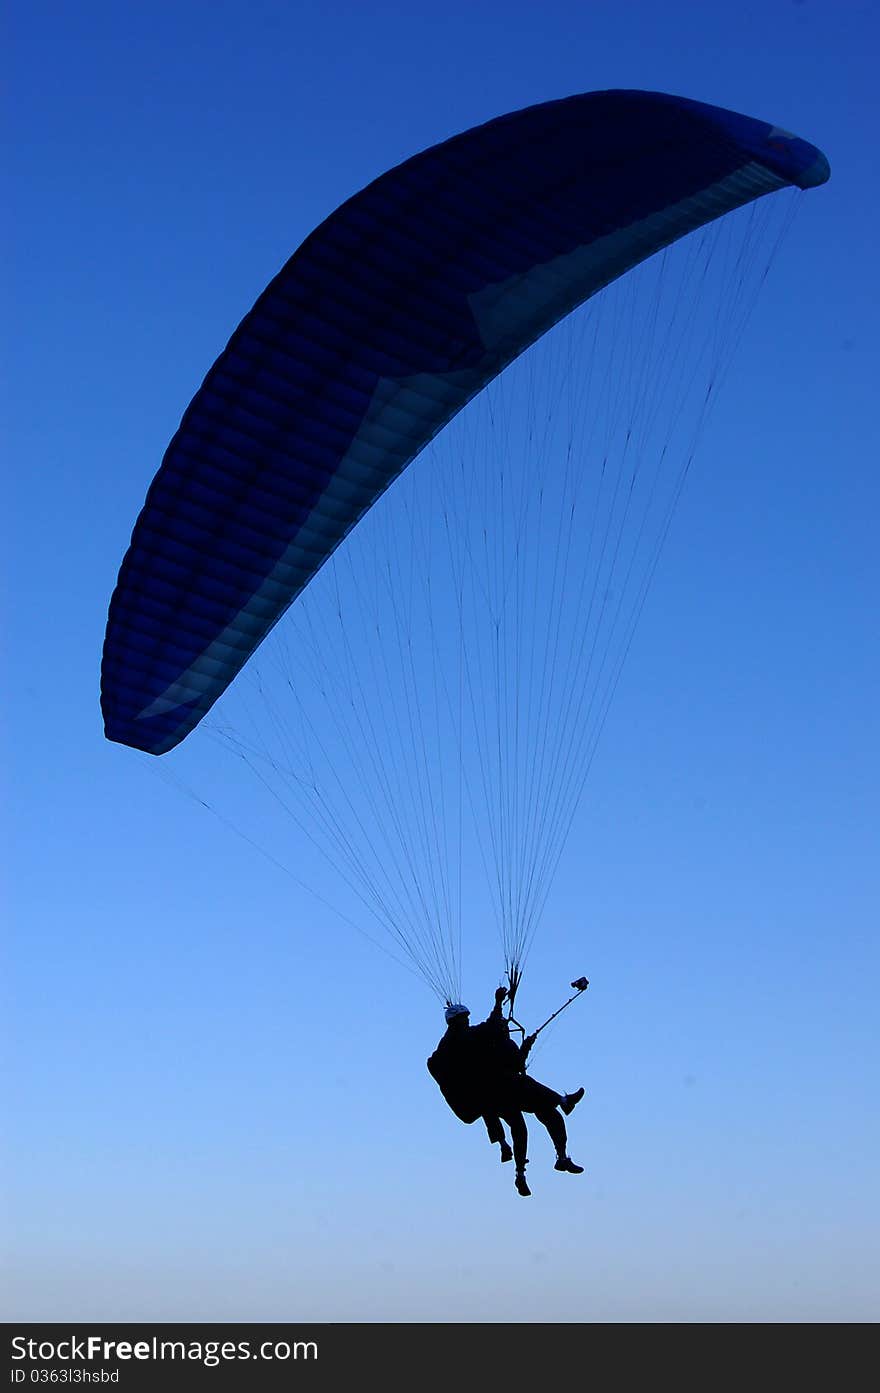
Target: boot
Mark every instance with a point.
(570, 1101)
(506, 1152)
(520, 1183)
(565, 1163)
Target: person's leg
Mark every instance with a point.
(519, 1135)
(553, 1121)
(494, 1129)
(544, 1097)
(496, 1135)
(544, 1103)
(535, 1097)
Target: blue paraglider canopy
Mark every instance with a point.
(395, 312)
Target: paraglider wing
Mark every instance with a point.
(388, 319)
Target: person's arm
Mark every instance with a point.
(496, 1016)
(525, 1049)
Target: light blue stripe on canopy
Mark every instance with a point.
(387, 320)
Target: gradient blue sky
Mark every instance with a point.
(217, 1097)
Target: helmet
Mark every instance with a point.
(454, 1009)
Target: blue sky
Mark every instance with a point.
(217, 1094)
